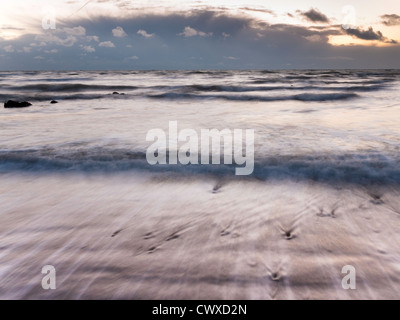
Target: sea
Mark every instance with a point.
(323, 125)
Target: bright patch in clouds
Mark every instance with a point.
(107, 44)
(119, 32)
(191, 32)
(145, 34)
(88, 49)
(93, 38)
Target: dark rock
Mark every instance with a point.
(53, 101)
(16, 104)
(115, 92)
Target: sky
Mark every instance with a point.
(186, 34)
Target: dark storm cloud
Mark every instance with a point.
(199, 39)
(314, 15)
(369, 34)
(391, 20)
(169, 24)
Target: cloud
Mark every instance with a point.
(369, 34)
(50, 37)
(9, 27)
(107, 44)
(133, 58)
(258, 43)
(259, 10)
(313, 38)
(9, 48)
(391, 20)
(66, 36)
(314, 15)
(191, 32)
(145, 34)
(51, 51)
(41, 44)
(167, 24)
(93, 38)
(119, 32)
(337, 58)
(88, 49)
(76, 31)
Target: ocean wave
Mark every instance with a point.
(70, 87)
(360, 168)
(55, 96)
(306, 85)
(181, 96)
(225, 88)
(297, 97)
(59, 79)
(319, 81)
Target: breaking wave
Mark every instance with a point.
(359, 168)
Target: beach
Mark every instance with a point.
(162, 238)
(77, 192)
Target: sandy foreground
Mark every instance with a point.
(145, 236)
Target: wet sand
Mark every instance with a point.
(152, 236)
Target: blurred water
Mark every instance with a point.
(317, 124)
